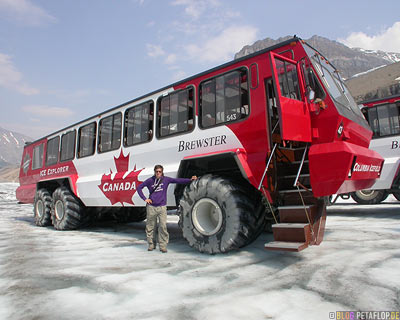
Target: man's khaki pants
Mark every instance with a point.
(152, 214)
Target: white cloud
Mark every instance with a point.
(154, 50)
(46, 111)
(26, 12)
(171, 58)
(386, 40)
(223, 46)
(195, 8)
(11, 78)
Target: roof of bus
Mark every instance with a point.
(381, 99)
(227, 64)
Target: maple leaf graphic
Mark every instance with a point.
(123, 186)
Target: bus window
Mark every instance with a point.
(67, 151)
(384, 120)
(383, 116)
(37, 161)
(52, 151)
(394, 118)
(138, 124)
(86, 140)
(175, 113)
(110, 133)
(373, 121)
(224, 99)
(288, 80)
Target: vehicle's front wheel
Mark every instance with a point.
(67, 213)
(369, 196)
(42, 208)
(217, 215)
(397, 195)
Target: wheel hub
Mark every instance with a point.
(39, 208)
(59, 209)
(366, 193)
(207, 216)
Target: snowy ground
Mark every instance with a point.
(105, 272)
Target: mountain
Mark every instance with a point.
(11, 147)
(349, 61)
(9, 174)
(375, 84)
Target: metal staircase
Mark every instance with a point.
(301, 216)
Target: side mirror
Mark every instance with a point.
(310, 94)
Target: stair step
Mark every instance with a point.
(292, 232)
(287, 148)
(294, 190)
(289, 225)
(303, 175)
(286, 246)
(299, 161)
(297, 214)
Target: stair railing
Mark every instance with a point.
(261, 187)
(296, 181)
(267, 166)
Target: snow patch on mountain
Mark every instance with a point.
(391, 57)
(11, 147)
(368, 71)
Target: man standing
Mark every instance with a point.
(156, 205)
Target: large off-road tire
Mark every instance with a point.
(217, 215)
(130, 214)
(397, 195)
(68, 212)
(42, 208)
(369, 196)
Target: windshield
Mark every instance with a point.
(336, 88)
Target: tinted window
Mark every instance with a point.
(224, 99)
(86, 140)
(110, 133)
(138, 124)
(288, 79)
(67, 146)
(312, 81)
(384, 120)
(175, 113)
(52, 151)
(37, 161)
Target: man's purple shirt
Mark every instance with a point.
(159, 196)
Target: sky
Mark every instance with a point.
(62, 61)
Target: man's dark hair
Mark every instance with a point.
(159, 166)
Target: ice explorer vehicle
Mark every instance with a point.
(270, 135)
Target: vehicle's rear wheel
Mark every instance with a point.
(42, 208)
(369, 196)
(397, 195)
(68, 212)
(217, 215)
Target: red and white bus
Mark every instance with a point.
(270, 135)
(383, 115)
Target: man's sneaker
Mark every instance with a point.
(163, 250)
(151, 248)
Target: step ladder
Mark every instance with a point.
(301, 217)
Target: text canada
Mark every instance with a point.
(119, 186)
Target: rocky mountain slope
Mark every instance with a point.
(349, 61)
(378, 83)
(11, 147)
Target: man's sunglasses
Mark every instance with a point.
(157, 171)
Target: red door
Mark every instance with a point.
(294, 116)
